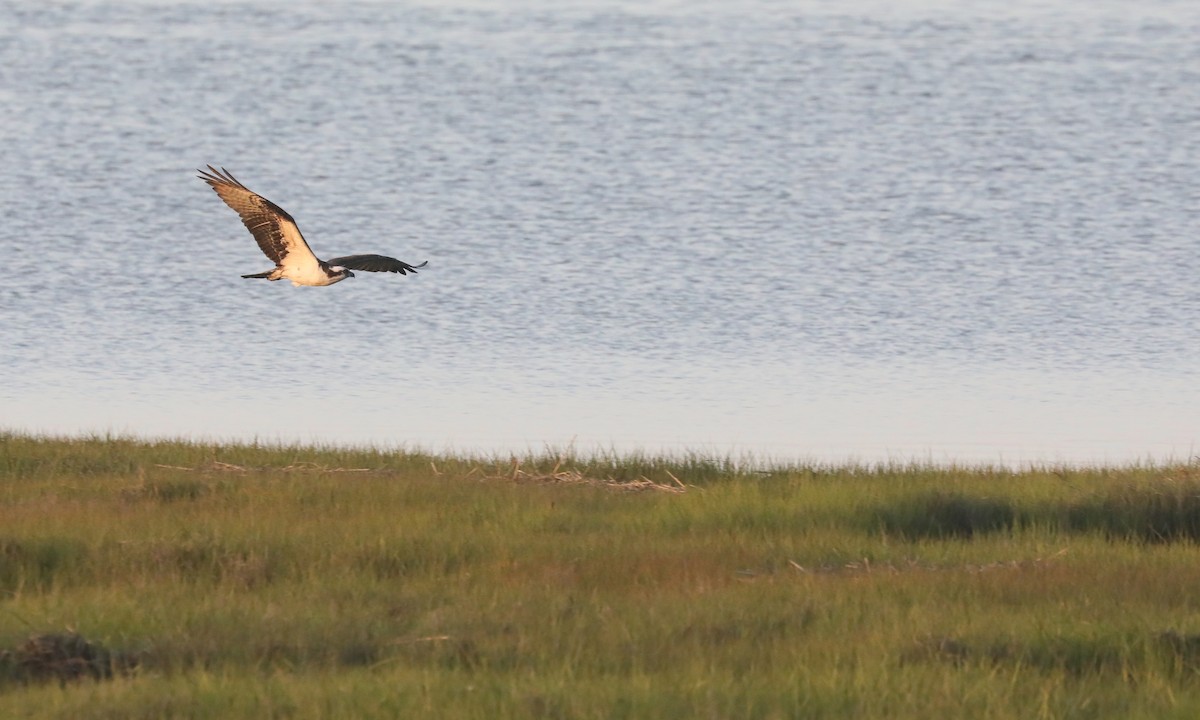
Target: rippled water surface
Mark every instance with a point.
(816, 230)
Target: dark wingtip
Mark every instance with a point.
(213, 175)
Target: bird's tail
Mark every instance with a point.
(266, 274)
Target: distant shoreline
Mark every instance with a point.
(737, 461)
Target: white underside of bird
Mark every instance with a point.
(310, 275)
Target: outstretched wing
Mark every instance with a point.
(275, 230)
(376, 263)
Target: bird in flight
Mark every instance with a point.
(280, 240)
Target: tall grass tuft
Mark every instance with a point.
(1164, 509)
(943, 515)
(36, 563)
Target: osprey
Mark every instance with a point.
(280, 240)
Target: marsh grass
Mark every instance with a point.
(261, 581)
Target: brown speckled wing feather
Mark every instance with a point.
(274, 230)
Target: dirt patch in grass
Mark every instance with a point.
(571, 476)
(64, 657)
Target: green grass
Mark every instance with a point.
(318, 582)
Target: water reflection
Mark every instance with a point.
(832, 416)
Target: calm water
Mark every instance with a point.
(822, 230)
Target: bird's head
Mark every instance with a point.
(339, 269)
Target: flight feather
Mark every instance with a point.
(376, 263)
(272, 227)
